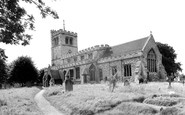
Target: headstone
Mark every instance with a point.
(126, 83)
(68, 84)
(141, 80)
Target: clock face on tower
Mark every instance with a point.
(69, 52)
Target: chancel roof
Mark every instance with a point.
(129, 47)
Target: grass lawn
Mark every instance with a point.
(144, 99)
(19, 101)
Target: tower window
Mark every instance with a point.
(71, 41)
(127, 70)
(56, 41)
(66, 40)
(151, 61)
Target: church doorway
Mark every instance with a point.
(92, 72)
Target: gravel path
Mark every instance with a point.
(44, 105)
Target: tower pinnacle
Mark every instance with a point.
(64, 24)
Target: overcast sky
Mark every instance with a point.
(109, 22)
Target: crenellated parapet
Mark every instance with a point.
(103, 60)
(61, 31)
(90, 49)
(70, 65)
(125, 56)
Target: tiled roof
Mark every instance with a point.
(128, 47)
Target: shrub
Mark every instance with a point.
(153, 77)
(16, 85)
(28, 84)
(40, 76)
(139, 99)
(23, 70)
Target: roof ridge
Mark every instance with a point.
(132, 41)
(149, 37)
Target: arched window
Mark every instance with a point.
(66, 40)
(71, 41)
(151, 61)
(92, 72)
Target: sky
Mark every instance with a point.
(109, 22)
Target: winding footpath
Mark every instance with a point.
(44, 105)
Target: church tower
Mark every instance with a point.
(62, 43)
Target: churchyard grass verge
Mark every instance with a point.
(19, 101)
(89, 99)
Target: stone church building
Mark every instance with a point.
(131, 61)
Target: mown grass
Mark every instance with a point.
(90, 99)
(19, 101)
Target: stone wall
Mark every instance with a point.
(118, 66)
(107, 68)
(133, 62)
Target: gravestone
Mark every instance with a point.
(68, 84)
(126, 83)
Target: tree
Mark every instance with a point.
(23, 70)
(168, 58)
(3, 67)
(14, 20)
(40, 76)
(3, 71)
(2, 54)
